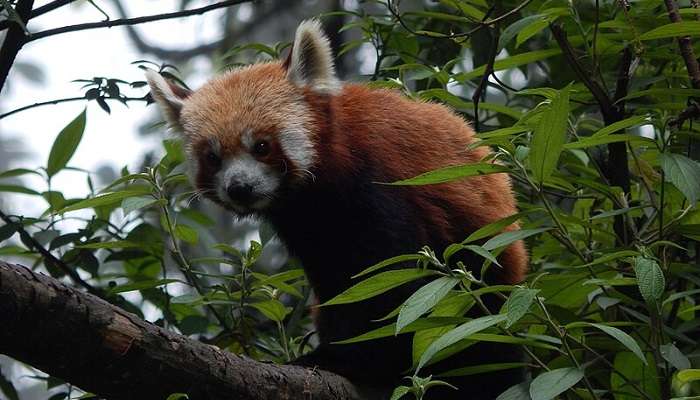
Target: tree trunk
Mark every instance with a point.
(103, 349)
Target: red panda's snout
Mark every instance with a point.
(249, 180)
(245, 175)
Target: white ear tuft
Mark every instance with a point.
(169, 96)
(311, 62)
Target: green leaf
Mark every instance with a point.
(452, 173)
(482, 369)
(624, 124)
(518, 304)
(17, 172)
(186, 234)
(675, 29)
(599, 140)
(378, 284)
(503, 132)
(650, 279)
(509, 237)
(483, 253)
(189, 298)
(423, 300)
(611, 257)
(417, 325)
(680, 295)
(272, 309)
(516, 392)
(496, 226)
(116, 244)
(460, 104)
(455, 335)
(674, 356)
(514, 29)
(623, 338)
(18, 189)
(510, 62)
(136, 203)
(388, 262)
(178, 396)
(684, 173)
(643, 374)
(531, 30)
(400, 392)
(688, 375)
(548, 385)
(104, 199)
(129, 287)
(65, 144)
(549, 137)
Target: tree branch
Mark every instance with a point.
(67, 100)
(483, 83)
(685, 45)
(691, 63)
(134, 21)
(14, 40)
(607, 108)
(617, 168)
(108, 351)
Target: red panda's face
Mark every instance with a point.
(245, 172)
(249, 133)
(249, 136)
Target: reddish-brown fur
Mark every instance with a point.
(413, 138)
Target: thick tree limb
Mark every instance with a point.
(101, 348)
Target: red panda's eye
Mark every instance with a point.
(261, 148)
(213, 159)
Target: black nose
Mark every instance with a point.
(240, 192)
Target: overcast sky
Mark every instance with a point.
(111, 139)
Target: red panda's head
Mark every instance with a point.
(249, 133)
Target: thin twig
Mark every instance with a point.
(66, 100)
(134, 21)
(481, 89)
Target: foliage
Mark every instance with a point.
(589, 111)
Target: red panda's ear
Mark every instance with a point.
(169, 96)
(311, 59)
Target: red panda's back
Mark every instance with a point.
(408, 138)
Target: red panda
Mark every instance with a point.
(292, 144)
